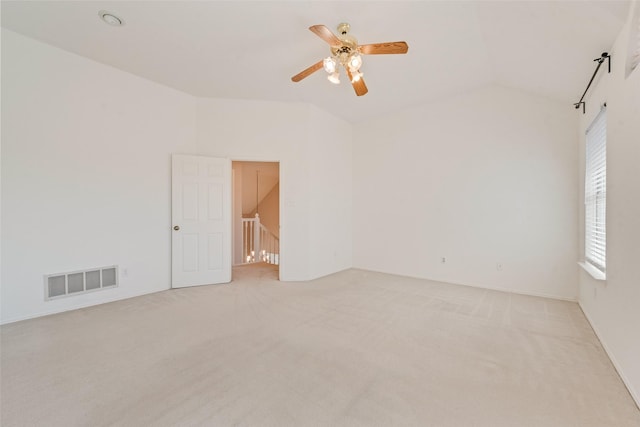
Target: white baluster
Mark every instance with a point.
(256, 238)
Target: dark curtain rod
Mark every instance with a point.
(605, 55)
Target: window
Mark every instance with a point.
(595, 191)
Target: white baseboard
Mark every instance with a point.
(518, 292)
(473, 285)
(634, 394)
(77, 307)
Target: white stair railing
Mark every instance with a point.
(269, 246)
(259, 244)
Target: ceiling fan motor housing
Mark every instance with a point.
(349, 43)
(343, 28)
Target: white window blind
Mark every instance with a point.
(595, 193)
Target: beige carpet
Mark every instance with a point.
(352, 349)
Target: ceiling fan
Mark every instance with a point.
(345, 51)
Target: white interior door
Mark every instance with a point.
(201, 215)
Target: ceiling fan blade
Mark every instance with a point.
(384, 48)
(359, 86)
(306, 73)
(325, 34)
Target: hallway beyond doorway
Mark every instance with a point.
(258, 271)
(256, 213)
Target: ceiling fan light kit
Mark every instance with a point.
(346, 52)
(330, 64)
(355, 62)
(334, 78)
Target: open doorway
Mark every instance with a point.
(256, 217)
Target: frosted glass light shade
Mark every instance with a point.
(329, 65)
(334, 78)
(355, 62)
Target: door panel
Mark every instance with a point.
(201, 221)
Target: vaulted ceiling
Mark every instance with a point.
(250, 50)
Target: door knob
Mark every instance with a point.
(177, 227)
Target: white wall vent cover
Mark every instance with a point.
(78, 282)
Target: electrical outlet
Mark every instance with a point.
(125, 272)
(443, 260)
(499, 266)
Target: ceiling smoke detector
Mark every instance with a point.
(110, 18)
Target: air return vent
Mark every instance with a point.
(78, 282)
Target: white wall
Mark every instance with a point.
(613, 306)
(330, 183)
(85, 174)
(274, 131)
(481, 179)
